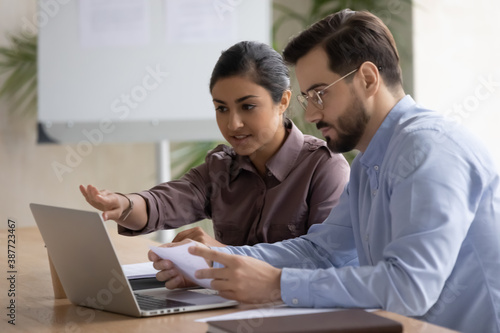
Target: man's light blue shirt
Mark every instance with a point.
(416, 232)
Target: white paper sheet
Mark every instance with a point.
(184, 261)
(114, 22)
(199, 22)
(139, 270)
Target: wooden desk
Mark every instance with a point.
(37, 310)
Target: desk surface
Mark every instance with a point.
(37, 310)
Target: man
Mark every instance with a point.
(421, 212)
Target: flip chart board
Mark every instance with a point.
(136, 70)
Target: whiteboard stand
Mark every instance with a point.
(163, 175)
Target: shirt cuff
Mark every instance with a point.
(149, 227)
(295, 288)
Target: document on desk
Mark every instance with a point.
(277, 310)
(140, 270)
(266, 311)
(184, 261)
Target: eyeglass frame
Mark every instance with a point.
(302, 98)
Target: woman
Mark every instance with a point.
(273, 182)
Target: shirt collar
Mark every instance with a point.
(375, 152)
(281, 163)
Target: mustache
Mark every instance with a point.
(321, 124)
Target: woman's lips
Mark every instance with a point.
(239, 139)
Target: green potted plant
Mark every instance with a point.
(18, 64)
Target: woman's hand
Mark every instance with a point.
(114, 204)
(111, 204)
(199, 235)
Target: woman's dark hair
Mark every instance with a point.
(350, 38)
(257, 61)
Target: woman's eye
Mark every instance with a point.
(221, 108)
(248, 106)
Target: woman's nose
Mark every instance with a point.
(235, 121)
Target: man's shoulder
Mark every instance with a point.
(433, 134)
(425, 125)
(432, 126)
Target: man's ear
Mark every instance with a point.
(370, 76)
(285, 101)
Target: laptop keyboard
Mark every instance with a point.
(147, 302)
(205, 291)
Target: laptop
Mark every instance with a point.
(91, 275)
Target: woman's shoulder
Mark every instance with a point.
(220, 153)
(313, 142)
(317, 149)
(315, 145)
(309, 142)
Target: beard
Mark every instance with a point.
(350, 128)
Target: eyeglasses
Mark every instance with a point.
(315, 96)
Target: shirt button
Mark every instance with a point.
(376, 167)
(291, 227)
(366, 238)
(374, 193)
(269, 174)
(295, 301)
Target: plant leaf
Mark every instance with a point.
(18, 63)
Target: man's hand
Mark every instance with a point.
(167, 270)
(199, 235)
(244, 279)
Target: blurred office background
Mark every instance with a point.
(449, 50)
